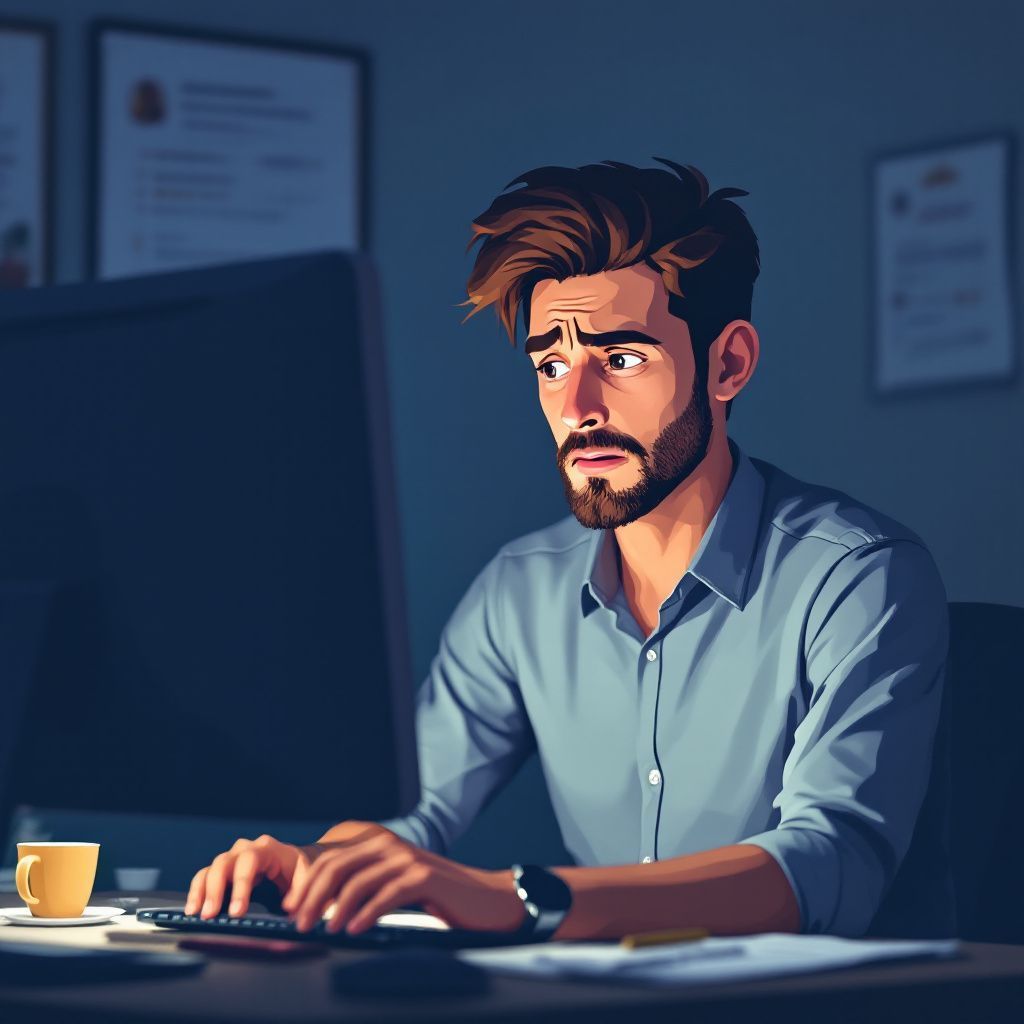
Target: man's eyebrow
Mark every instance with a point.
(606, 339)
(539, 342)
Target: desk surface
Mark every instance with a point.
(986, 984)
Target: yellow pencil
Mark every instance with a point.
(660, 938)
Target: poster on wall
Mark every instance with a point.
(212, 149)
(25, 222)
(943, 310)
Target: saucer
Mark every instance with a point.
(91, 915)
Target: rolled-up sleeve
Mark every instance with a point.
(875, 649)
(472, 729)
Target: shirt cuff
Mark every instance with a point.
(807, 860)
(412, 828)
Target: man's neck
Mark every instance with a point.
(656, 549)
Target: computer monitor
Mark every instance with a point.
(195, 472)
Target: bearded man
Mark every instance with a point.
(733, 679)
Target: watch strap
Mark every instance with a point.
(541, 921)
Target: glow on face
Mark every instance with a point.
(610, 359)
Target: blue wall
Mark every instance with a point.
(787, 100)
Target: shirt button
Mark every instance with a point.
(646, 860)
(652, 655)
(654, 777)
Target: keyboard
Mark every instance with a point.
(402, 928)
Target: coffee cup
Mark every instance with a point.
(56, 879)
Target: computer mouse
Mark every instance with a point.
(410, 972)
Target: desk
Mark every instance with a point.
(986, 985)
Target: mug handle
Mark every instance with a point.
(21, 874)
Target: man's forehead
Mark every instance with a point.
(614, 296)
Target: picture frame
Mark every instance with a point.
(26, 152)
(212, 147)
(940, 266)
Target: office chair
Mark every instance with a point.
(968, 842)
(986, 685)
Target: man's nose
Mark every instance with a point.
(582, 405)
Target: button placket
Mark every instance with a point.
(649, 673)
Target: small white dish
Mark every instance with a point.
(91, 915)
(136, 879)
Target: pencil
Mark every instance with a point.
(663, 937)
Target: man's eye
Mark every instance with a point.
(553, 369)
(624, 361)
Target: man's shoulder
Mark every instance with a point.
(826, 544)
(812, 514)
(563, 540)
(542, 568)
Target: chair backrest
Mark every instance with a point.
(986, 686)
(967, 850)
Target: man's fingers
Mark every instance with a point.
(247, 871)
(405, 888)
(241, 867)
(324, 880)
(320, 889)
(302, 880)
(216, 881)
(196, 892)
(359, 888)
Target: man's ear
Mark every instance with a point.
(732, 359)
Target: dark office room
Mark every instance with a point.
(328, 328)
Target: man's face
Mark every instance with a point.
(618, 387)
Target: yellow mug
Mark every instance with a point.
(56, 879)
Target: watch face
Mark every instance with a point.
(545, 889)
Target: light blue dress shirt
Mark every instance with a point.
(788, 696)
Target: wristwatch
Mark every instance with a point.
(547, 900)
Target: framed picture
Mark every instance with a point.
(214, 148)
(940, 252)
(26, 153)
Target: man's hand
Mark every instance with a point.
(242, 867)
(373, 872)
(250, 860)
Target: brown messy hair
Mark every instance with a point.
(572, 221)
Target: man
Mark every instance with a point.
(733, 679)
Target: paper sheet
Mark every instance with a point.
(710, 960)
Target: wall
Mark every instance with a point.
(786, 100)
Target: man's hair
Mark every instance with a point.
(573, 221)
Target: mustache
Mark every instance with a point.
(600, 438)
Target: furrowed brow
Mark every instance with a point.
(539, 342)
(608, 338)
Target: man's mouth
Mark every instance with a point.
(597, 460)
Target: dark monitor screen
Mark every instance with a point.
(195, 468)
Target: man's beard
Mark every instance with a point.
(678, 450)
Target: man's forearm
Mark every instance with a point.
(731, 890)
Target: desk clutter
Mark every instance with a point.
(709, 960)
(115, 949)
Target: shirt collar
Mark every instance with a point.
(722, 560)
